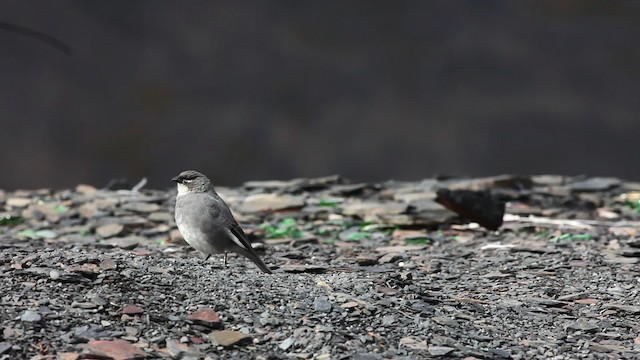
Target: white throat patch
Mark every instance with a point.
(182, 189)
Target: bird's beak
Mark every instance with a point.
(176, 179)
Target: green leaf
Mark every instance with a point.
(571, 237)
(371, 227)
(46, 234)
(287, 227)
(357, 236)
(40, 234)
(417, 241)
(28, 233)
(60, 208)
(328, 203)
(11, 220)
(287, 222)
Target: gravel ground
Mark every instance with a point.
(362, 271)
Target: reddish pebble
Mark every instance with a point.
(586, 301)
(207, 316)
(132, 310)
(115, 349)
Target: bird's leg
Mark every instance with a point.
(207, 258)
(225, 260)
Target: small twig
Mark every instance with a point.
(139, 185)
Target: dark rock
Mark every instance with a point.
(476, 206)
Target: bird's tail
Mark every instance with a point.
(251, 255)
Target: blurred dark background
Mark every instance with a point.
(372, 90)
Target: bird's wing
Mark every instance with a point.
(236, 230)
(223, 215)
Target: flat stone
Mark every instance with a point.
(414, 344)
(108, 264)
(180, 350)
(88, 210)
(439, 350)
(228, 338)
(587, 301)
(315, 269)
(271, 184)
(389, 258)
(206, 317)
(501, 353)
(30, 316)
(322, 305)
(350, 304)
(109, 230)
(141, 207)
(18, 202)
(126, 243)
(4, 347)
(496, 275)
(86, 189)
(287, 343)
(545, 301)
(270, 202)
(367, 356)
(373, 208)
(633, 309)
(595, 184)
(583, 324)
(132, 310)
(159, 216)
(366, 260)
(388, 320)
(115, 349)
(444, 320)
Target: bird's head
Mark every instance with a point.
(191, 181)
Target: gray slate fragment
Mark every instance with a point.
(439, 350)
(501, 353)
(368, 356)
(314, 269)
(285, 345)
(270, 202)
(633, 309)
(30, 316)
(141, 207)
(4, 347)
(321, 304)
(595, 184)
(373, 208)
(583, 324)
(109, 230)
(126, 243)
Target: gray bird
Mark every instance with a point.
(205, 221)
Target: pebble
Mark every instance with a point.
(584, 325)
(270, 202)
(322, 305)
(132, 310)
(114, 349)
(126, 243)
(228, 338)
(109, 230)
(440, 350)
(18, 202)
(285, 345)
(207, 317)
(30, 316)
